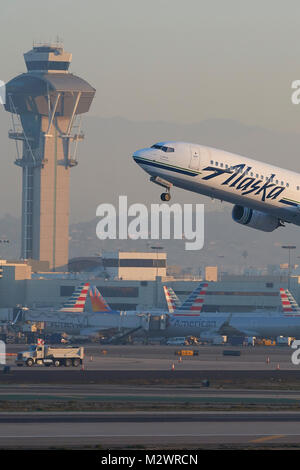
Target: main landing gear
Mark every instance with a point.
(165, 197)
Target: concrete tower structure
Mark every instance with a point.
(45, 103)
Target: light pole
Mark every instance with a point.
(157, 248)
(289, 248)
(156, 280)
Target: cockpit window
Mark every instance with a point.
(163, 148)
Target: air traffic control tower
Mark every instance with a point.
(46, 103)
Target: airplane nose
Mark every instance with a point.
(140, 154)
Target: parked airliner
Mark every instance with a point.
(264, 196)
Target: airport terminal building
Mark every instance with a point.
(136, 283)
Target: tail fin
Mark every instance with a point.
(289, 304)
(171, 298)
(98, 302)
(293, 302)
(194, 303)
(76, 302)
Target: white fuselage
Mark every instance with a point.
(257, 324)
(225, 176)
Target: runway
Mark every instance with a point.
(162, 358)
(148, 429)
(127, 396)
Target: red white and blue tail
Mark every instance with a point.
(289, 305)
(76, 302)
(193, 305)
(171, 298)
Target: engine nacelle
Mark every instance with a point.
(255, 219)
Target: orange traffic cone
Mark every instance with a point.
(91, 359)
(278, 367)
(173, 367)
(268, 360)
(180, 359)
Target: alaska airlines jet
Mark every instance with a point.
(264, 196)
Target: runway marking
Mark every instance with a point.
(268, 438)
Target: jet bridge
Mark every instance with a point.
(154, 323)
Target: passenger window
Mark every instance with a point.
(287, 185)
(211, 162)
(297, 188)
(217, 163)
(282, 183)
(221, 165)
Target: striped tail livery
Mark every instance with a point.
(289, 305)
(76, 302)
(192, 306)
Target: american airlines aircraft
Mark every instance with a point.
(264, 196)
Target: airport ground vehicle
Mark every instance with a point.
(43, 354)
(284, 341)
(179, 340)
(186, 352)
(265, 342)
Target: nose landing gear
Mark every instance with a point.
(165, 196)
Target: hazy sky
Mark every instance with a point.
(172, 60)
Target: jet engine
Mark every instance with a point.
(255, 219)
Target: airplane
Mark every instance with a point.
(177, 308)
(265, 197)
(70, 316)
(135, 320)
(186, 323)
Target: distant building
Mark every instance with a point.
(135, 265)
(211, 273)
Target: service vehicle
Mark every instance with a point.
(186, 352)
(49, 356)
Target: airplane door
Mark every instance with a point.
(195, 159)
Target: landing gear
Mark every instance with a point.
(165, 196)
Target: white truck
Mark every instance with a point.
(43, 354)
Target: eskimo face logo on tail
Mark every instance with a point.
(240, 180)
